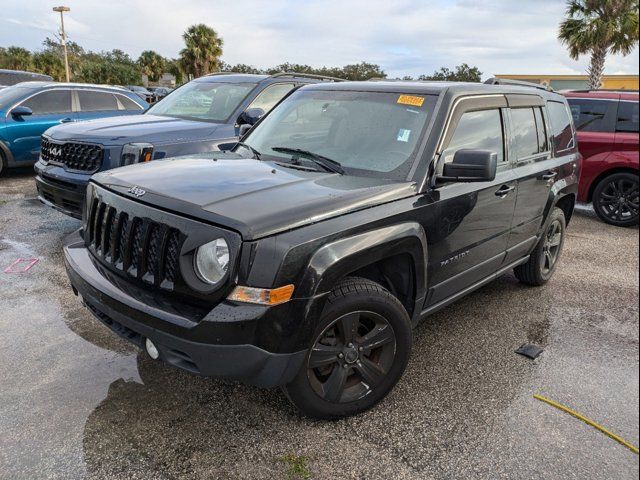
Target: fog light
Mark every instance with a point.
(151, 349)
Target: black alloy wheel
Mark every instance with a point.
(351, 357)
(615, 200)
(551, 246)
(358, 353)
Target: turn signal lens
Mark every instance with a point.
(262, 296)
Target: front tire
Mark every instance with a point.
(3, 163)
(358, 353)
(544, 259)
(615, 199)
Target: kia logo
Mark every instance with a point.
(136, 191)
(56, 152)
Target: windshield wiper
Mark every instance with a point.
(256, 153)
(325, 162)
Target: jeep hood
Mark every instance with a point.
(255, 198)
(154, 129)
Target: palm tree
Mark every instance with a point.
(152, 64)
(202, 52)
(599, 27)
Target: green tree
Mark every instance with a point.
(202, 52)
(597, 28)
(52, 47)
(462, 73)
(49, 63)
(362, 71)
(174, 67)
(152, 64)
(114, 68)
(16, 58)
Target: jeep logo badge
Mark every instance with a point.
(136, 191)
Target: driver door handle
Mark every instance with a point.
(505, 190)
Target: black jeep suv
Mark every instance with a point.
(304, 257)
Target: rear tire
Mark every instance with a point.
(544, 259)
(615, 199)
(358, 352)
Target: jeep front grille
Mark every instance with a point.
(83, 157)
(141, 249)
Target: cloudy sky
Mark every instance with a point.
(405, 37)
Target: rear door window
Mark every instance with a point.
(589, 115)
(627, 117)
(561, 127)
(524, 132)
(52, 101)
(480, 130)
(91, 101)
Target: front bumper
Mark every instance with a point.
(62, 192)
(134, 320)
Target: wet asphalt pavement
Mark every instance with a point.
(76, 401)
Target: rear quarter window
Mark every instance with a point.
(627, 117)
(561, 127)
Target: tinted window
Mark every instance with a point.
(96, 101)
(128, 104)
(53, 101)
(477, 130)
(627, 117)
(267, 99)
(588, 115)
(541, 126)
(525, 132)
(561, 127)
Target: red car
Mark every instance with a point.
(607, 125)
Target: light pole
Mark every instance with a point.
(64, 38)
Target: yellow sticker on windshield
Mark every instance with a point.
(411, 100)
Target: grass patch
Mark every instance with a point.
(297, 468)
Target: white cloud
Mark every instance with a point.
(406, 37)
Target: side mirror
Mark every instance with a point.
(250, 116)
(471, 166)
(21, 111)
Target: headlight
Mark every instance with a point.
(212, 261)
(136, 153)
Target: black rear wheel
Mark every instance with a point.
(615, 199)
(544, 258)
(358, 353)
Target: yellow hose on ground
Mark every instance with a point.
(587, 421)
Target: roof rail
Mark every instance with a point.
(308, 75)
(516, 83)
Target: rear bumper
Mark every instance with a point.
(135, 321)
(64, 194)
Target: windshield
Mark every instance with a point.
(209, 101)
(368, 133)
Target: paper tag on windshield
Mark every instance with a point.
(411, 100)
